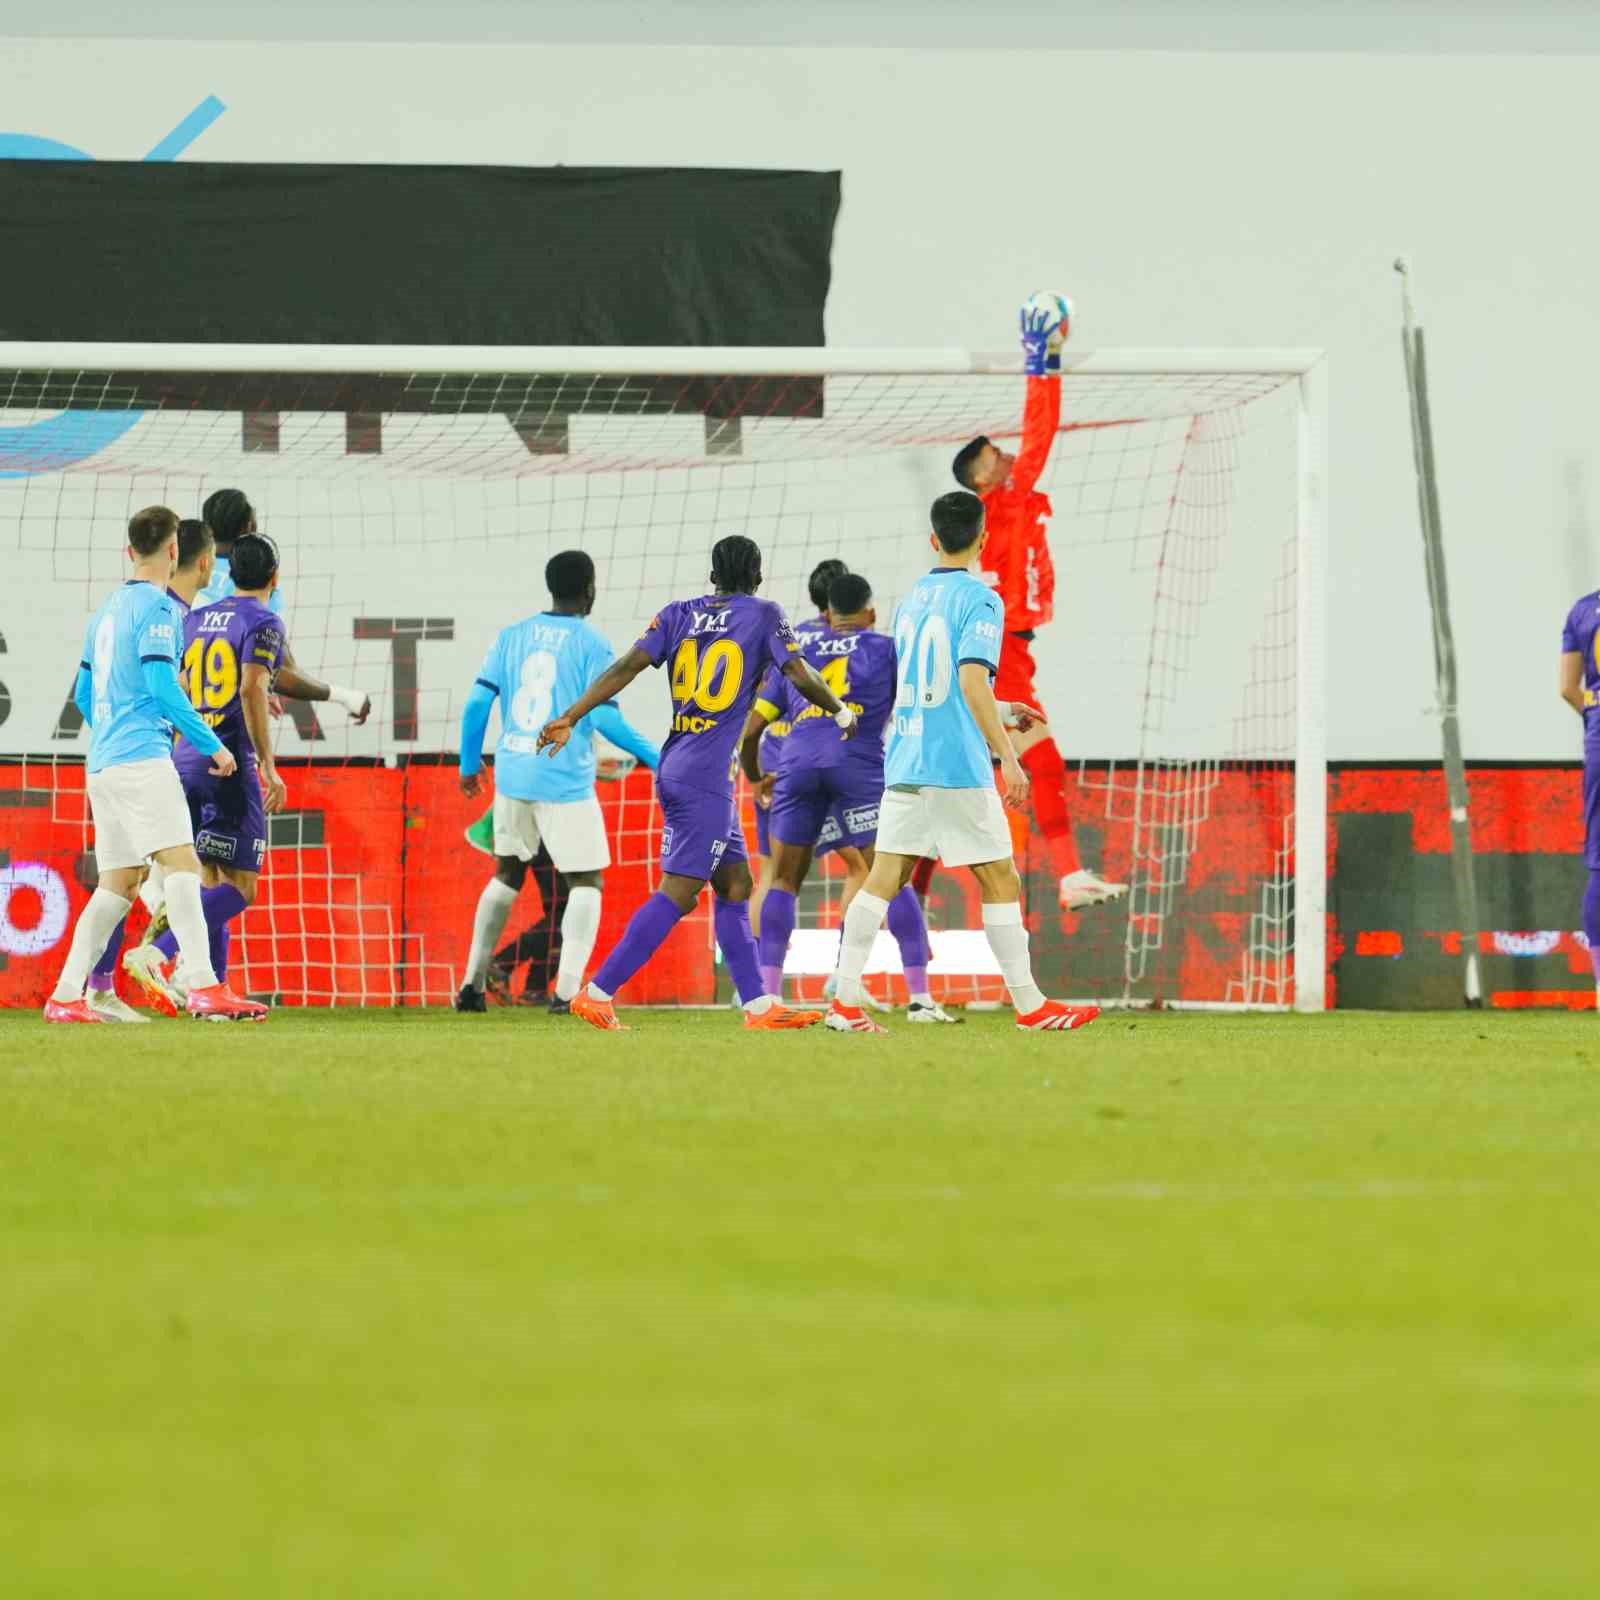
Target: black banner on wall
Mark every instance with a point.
(210, 252)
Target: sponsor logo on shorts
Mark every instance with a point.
(861, 819)
(216, 846)
(831, 832)
(717, 847)
(666, 840)
(260, 846)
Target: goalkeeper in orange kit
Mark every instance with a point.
(1016, 561)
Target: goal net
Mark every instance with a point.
(416, 495)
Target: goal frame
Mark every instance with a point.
(1308, 367)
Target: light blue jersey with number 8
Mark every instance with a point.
(948, 619)
(537, 668)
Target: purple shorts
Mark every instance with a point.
(701, 832)
(830, 838)
(827, 807)
(230, 821)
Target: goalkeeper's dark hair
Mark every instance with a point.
(254, 561)
(194, 539)
(569, 575)
(229, 515)
(957, 520)
(967, 458)
(736, 564)
(149, 530)
(849, 594)
(820, 583)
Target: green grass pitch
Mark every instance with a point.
(418, 1305)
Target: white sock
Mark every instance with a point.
(188, 919)
(580, 927)
(89, 939)
(922, 998)
(759, 1007)
(1007, 934)
(597, 993)
(861, 924)
(489, 922)
(153, 890)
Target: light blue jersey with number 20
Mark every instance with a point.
(949, 618)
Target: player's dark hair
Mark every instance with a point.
(255, 561)
(820, 583)
(848, 594)
(966, 459)
(736, 564)
(194, 539)
(568, 575)
(229, 515)
(150, 529)
(957, 520)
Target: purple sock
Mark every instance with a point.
(221, 904)
(910, 929)
(738, 945)
(777, 924)
(104, 975)
(646, 932)
(1591, 920)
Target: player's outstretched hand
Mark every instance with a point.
(1036, 349)
(763, 790)
(554, 734)
(222, 764)
(1016, 782)
(274, 791)
(472, 784)
(1019, 716)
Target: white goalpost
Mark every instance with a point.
(416, 493)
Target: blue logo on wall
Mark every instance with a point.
(61, 441)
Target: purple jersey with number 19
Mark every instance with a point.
(220, 641)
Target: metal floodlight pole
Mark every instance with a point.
(1444, 645)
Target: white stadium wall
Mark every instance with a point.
(1183, 199)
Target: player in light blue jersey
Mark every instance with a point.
(129, 693)
(939, 799)
(533, 668)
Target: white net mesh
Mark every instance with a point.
(415, 514)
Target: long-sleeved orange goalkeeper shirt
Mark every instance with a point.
(1016, 558)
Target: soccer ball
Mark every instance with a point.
(1057, 307)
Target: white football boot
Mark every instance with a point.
(1083, 888)
(922, 1011)
(110, 1007)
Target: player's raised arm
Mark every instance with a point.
(1041, 416)
(555, 733)
(1572, 679)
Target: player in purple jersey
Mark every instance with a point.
(1580, 688)
(772, 753)
(719, 646)
(232, 649)
(826, 777)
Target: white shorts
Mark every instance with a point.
(138, 809)
(962, 827)
(573, 831)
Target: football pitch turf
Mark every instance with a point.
(418, 1305)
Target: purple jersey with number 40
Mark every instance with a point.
(717, 649)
